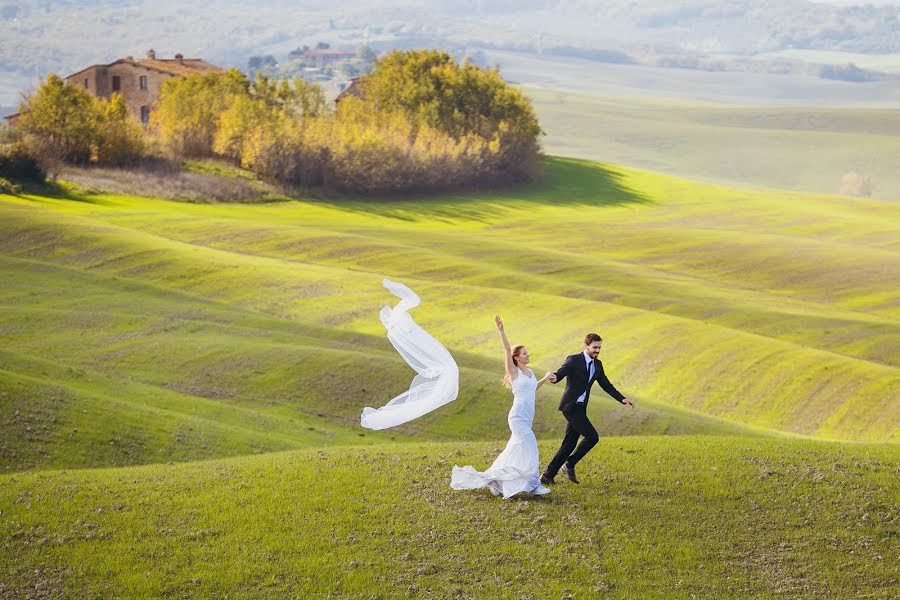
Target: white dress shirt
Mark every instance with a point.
(589, 363)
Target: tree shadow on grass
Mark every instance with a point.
(564, 182)
(54, 190)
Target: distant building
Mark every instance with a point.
(321, 57)
(138, 81)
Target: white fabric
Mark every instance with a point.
(517, 468)
(589, 365)
(437, 379)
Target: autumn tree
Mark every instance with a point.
(119, 139)
(60, 121)
(433, 90)
(63, 124)
(188, 110)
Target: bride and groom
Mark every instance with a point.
(436, 383)
(517, 468)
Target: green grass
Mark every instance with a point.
(800, 148)
(175, 341)
(654, 517)
(171, 331)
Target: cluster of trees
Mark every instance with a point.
(422, 122)
(63, 123)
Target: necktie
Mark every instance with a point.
(590, 370)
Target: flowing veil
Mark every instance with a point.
(437, 379)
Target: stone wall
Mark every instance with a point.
(101, 81)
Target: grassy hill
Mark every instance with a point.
(174, 341)
(136, 330)
(654, 517)
(801, 148)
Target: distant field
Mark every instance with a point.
(567, 74)
(690, 517)
(886, 63)
(807, 149)
(137, 330)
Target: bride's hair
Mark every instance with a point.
(516, 351)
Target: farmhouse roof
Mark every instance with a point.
(173, 66)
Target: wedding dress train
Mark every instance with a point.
(437, 379)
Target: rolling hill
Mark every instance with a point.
(237, 328)
(151, 351)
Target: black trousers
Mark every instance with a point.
(579, 426)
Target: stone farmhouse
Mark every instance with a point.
(138, 81)
(321, 57)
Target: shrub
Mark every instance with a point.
(8, 187)
(18, 165)
(856, 184)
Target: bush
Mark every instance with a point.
(18, 165)
(856, 184)
(8, 187)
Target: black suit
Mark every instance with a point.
(575, 371)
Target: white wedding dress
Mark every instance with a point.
(517, 468)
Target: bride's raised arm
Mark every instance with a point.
(511, 370)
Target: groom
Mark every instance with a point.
(582, 369)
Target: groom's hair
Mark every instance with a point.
(591, 338)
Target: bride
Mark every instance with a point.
(517, 468)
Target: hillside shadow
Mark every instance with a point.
(566, 182)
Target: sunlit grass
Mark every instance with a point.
(771, 310)
(653, 517)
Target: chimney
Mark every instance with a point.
(129, 58)
(151, 54)
(179, 58)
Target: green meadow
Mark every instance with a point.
(675, 517)
(149, 349)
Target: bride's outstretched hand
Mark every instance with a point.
(499, 322)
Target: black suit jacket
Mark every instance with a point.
(575, 371)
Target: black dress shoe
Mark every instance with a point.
(547, 480)
(570, 473)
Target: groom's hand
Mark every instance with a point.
(551, 377)
(628, 402)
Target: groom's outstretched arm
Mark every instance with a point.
(562, 371)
